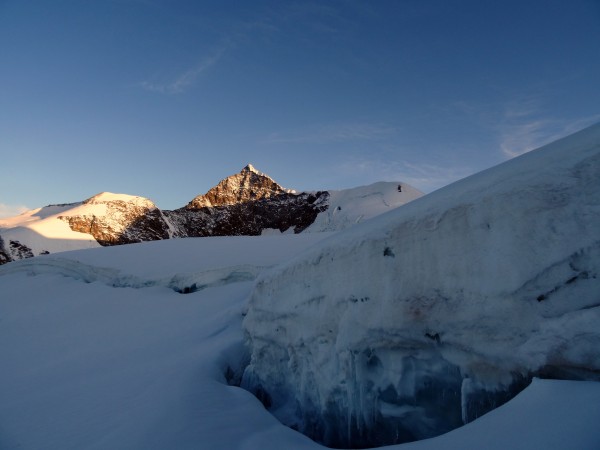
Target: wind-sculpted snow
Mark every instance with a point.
(175, 265)
(184, 283)
(407, 326)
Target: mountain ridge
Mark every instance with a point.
(247, 185)
(246, 203)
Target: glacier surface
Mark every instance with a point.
(90, 364)
(424, 318)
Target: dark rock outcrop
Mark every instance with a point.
(4, 254)
(20, 251)
(250, 218)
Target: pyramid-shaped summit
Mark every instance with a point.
(247, 185)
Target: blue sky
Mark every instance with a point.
(164, 98)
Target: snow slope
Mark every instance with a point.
(183, 265)
(421, 319)
(45, 230)
(42, 231)
(87, 365)
(351, 206)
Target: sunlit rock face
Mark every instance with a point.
(251, 203)
(247, 186)
(424, 318)
(116, 219)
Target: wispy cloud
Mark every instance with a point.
(186, 79)
(530, 132)
(266, 26)
(11, 210)
(338, 132)
(425, 177)
(520, 138)
(524, 125)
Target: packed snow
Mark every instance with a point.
(87, 365)
(42, 231)
(351, 206)
(169, 263)
(424, 318)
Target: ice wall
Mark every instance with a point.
(410, 324)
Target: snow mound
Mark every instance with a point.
(184, 283)
(175, 265)
(351, 206)
(424, 318)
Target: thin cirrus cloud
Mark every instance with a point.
(526, 135)
(338, 132)
(11, 210)
(425, 177)
(186, 79)
(524, 126)
(521, 124)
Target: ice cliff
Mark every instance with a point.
(415, 322)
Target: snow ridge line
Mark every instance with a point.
(183, 283)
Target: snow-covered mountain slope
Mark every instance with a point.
(423, 318)
(41, 231)
(90, 364)
(247, 203)
(351, 206)
(104, 219)
(114, 219)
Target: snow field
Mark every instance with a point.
(90, 366)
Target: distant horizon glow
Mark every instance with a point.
(164, 99)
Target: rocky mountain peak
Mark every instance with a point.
(251, 168)
(246, 186)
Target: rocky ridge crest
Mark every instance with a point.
(246, 186)
(247, 203)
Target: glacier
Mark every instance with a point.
(93, 359)
(426, 317)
